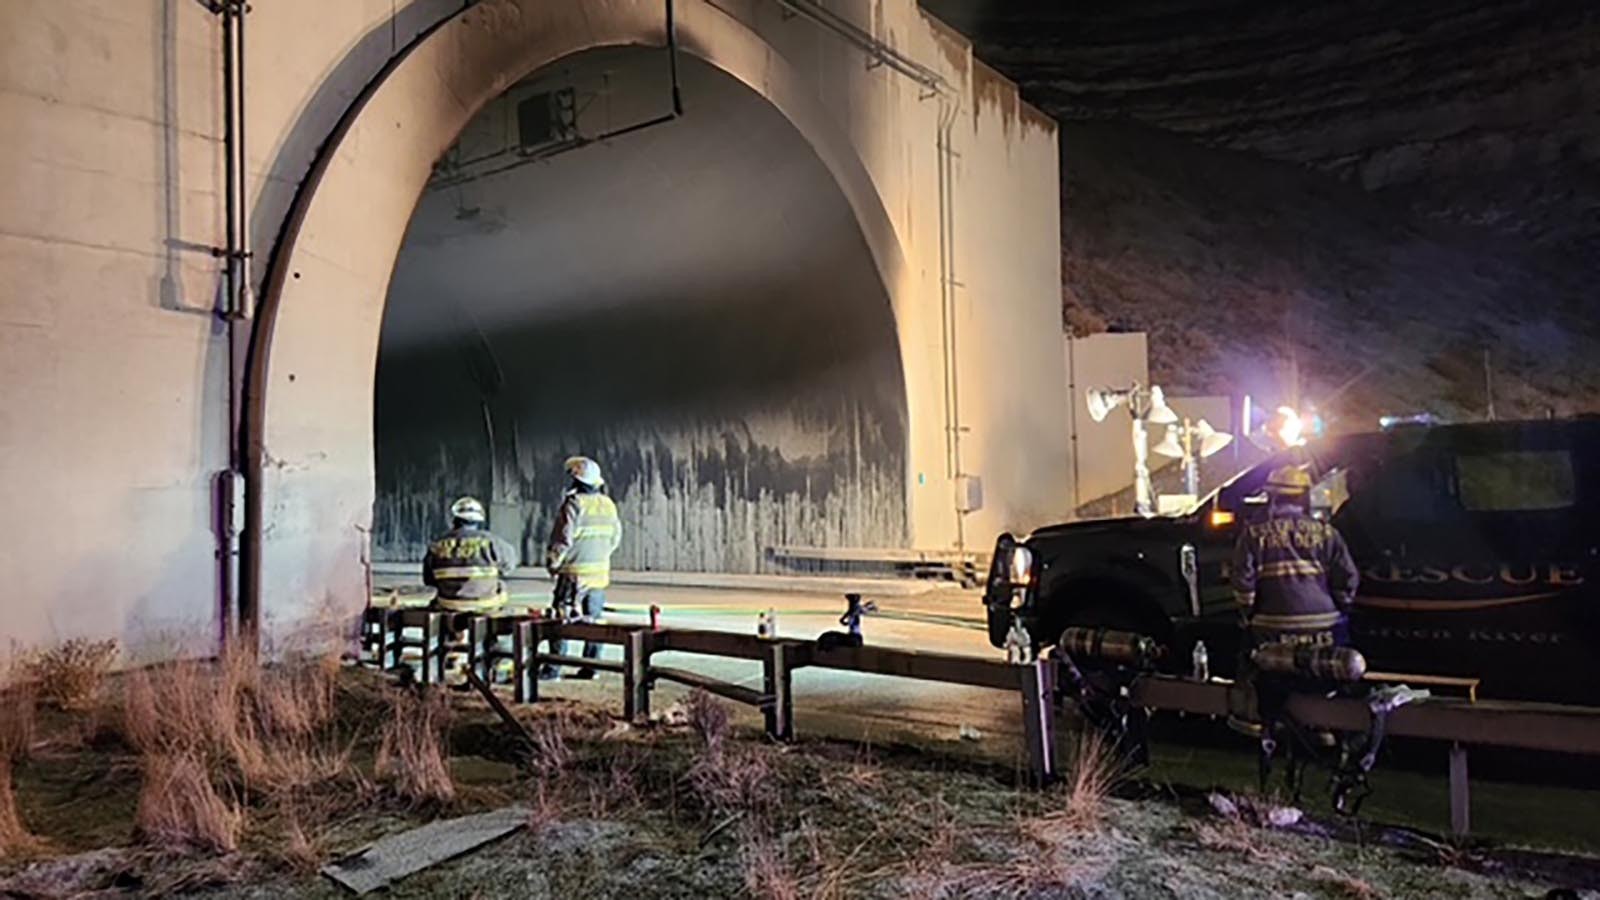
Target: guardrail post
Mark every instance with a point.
(525, 662)
(390, 632)
(636, 676)
(1038, 719)
(477, 632)
(432, 662)
(776, 675)
(372, 635)
(1460, 796)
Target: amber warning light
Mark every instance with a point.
(1221, 518)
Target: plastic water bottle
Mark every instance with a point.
(1202, 662)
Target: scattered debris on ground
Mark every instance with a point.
(244, 782)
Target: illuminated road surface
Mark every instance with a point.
(840, 704)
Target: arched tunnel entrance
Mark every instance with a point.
(692, 303)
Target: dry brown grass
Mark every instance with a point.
(412, 757)
(1343, 885)
(768, 874)
(177, 709)
(707, 717)
(1237, 837)
(1097, 770)
(18, 724)
(550, 751)
(180, 808)
(231, 728)
(299, 852)
(70, 674)
(734, 779)
(15, 838)
(18, 720)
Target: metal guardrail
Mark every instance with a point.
(480, 639)
(1462, 723)
(1459, 722)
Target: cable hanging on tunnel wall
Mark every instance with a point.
(547, 125)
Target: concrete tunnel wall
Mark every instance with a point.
(692, 304)
(114, 413)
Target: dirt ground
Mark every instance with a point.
(700, 805)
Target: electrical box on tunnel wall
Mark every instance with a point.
(969, 493)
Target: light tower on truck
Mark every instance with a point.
(1145, 405)
(1192, 442)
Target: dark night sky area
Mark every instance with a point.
(1367, 193)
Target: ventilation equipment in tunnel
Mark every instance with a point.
(693, 304)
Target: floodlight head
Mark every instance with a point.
(1171, 445)
(1160, 412)
(1211, 440)
(1103, 400)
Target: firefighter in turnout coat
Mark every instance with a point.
(586, 532)
(1293, 576)
(1294, 580)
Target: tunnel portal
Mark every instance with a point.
(691, 303)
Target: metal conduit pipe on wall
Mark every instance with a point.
(236, 312)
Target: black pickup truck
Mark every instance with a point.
(1478, 544)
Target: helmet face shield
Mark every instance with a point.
(467, 509)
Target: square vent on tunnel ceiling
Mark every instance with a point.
(546, 118)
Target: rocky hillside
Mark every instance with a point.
(1347, 201)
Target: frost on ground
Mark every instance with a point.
(694, 809)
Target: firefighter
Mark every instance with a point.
(468, 564)
(1293, 576)
(1294, 580)
(587, 531)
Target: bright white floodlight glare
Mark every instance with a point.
(1289, 428)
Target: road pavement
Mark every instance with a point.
(839, 704)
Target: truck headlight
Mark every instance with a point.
(1021, 566)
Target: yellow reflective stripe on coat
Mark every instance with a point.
(1245, 599)
(467, 572)
(1302, 622)
(1291, 568)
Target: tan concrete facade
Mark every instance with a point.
(113, 417)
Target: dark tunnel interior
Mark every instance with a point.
(692, 304)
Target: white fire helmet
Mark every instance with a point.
(467, 509)
(585, 471)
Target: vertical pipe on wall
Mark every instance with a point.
(948, 112)
(237, 618)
